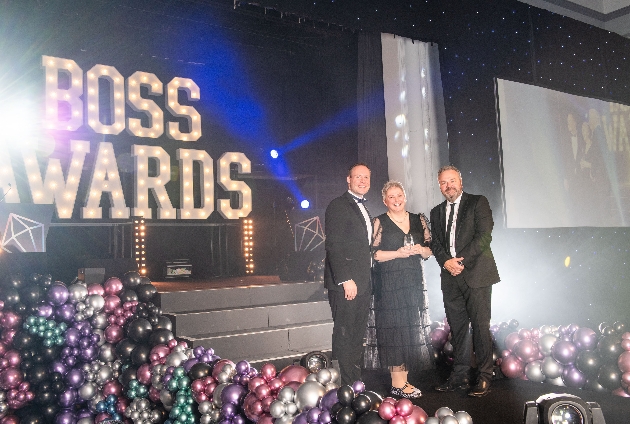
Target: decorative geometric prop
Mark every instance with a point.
(23, 234)
(309, 234)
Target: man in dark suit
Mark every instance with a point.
(461, 230)
(347, 273)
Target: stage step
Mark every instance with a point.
(259, 323)
(267, 344)
(241, 297)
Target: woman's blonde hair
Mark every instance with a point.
(391, 184)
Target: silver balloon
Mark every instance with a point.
(175, 359)
(229, 369)
(291, 409)
(167, 399)
(533, 371)
(101, 335)
(277, 409)
(89, 376)
(555, 381)
(79, 307)
(88, 391)
(432, 420)
(99, 321)
(449, 419)
(77, 292)
(463, 417)
(96, 399)
(155, 416)
(216, 395)
(545, 329)
(79, 317)
(104, 374)
(285, 419)
(444, 412)
(205, 407)
(330, 386)
(88, 311)
(334, 375)
(551, 368)
(323, 376)
(308, 394)
(205, 419)
(215, 415)
(286, 394)
(107, 353)
(223, 377)
(178, 348)
(95, 301)
(545, 343)
(87, 420)
(311, 377)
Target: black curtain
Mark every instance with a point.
(372, 140)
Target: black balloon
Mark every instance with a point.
(361, 404)
(609, 376)
(124, 349)
(45, 281)
(11, 296)
(199, 370)
(146, 292)
(609, 348)
(23, 341)
(15, 281)
(37, 374)
(588, 362)
(131, 279)
(128, 375)
(602, 326)
(30, 415)
(128, 296)
(140, 354)
(619, 327)
(346, 415)
(345, 394)
(45, 397)
(371, 417)
(139, 330)
(49, 411)
(160, 336)
(375, 399)
(163, 322)
(30, 294)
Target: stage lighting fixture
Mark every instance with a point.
(562, 408)
(139, 231)
(274, 154)
(248, 245)
(315, 361)
(305, 204)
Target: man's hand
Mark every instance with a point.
(454, 266)
(350, 289)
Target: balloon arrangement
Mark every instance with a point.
(571, 355)
(446, 415)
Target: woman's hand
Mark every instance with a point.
(405, 252)
(423, 251)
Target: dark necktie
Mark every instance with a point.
(450, 225)
(359, 199)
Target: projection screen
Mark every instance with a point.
(565, 158)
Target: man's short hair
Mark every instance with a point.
(358, 164)
(449, 168)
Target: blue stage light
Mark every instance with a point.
(274, 154)
(305, 204)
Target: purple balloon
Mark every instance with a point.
(72, 337)
(233, 393)
(89, 353)
(44, 310)
(198, 351)
(300, 418)
(241, 367)
(572, 377)
(58, 366)
(358, 387)
(564, 352)
(66, 417)
(75, 378)
(58, 294)
(325, 416)
(189, 363)
(313, 415)
(238, 419)
(65, 313)
(228, 410)
(67, 398)
(585, 339)
(328, 400)
(86, 342)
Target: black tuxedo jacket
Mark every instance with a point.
(348, 255)
(472, 240)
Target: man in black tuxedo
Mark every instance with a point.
(461, 230)
(347, 274)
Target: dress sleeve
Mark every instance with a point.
(426, 229)
(376, 236)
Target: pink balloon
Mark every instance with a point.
(266, 403)
(113, 333)
(265, 419)
(10, 320)
(620, 392)
(275, 384)
(113, 286)
(524, 333)
(255, 382)
(218, 367)
(95, 289)
(417, 416)
(10, 378)
(154, 394)
(525, 350)
(3, 349)
(390, 400)
(438, 336)
(403, 407)
(510, 340)
(144, 374)
(7, 335)
(159, 351)
(625, 379)
(268, 372)
(512, 367)
(387, 411)
(626, 335)
(262, 391)
(397, 419)
(623, 362)
(293, 373)
(101, 417)
(197, 386)
(112, 303)
(10, 419)
(625, 344)
(13, 358)
(112, 387)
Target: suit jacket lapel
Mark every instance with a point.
(461, 213)
(357, 210)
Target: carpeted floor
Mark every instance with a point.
(505, 403)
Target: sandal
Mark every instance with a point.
(400, 392)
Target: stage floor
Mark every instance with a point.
(505, 403)
(168, 286)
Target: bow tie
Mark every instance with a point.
(359, 199)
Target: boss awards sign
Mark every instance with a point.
(75, 99)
